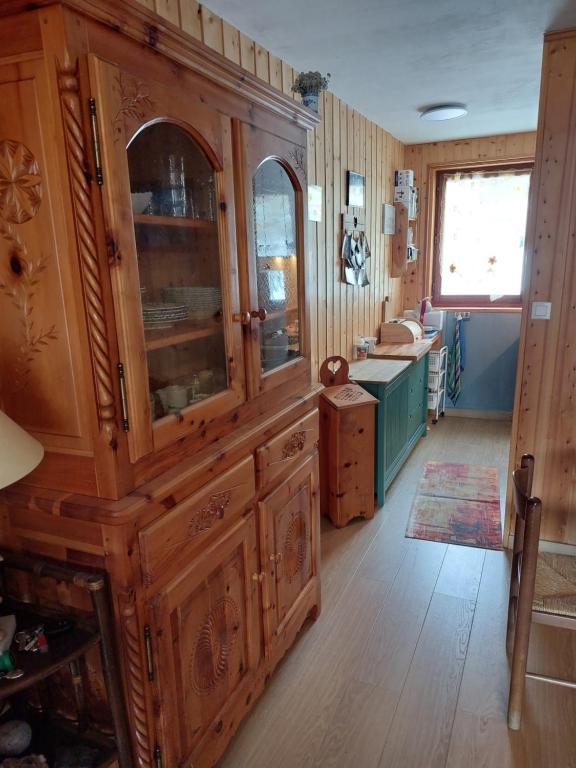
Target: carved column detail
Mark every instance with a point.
(135, 678)
(84, 217)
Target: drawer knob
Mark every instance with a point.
(276, 558)
(258, 577)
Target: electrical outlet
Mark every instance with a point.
(541, 310)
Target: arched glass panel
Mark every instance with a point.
(173, 190)
(275, 237)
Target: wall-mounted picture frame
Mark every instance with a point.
(355, 183)
(314, 202)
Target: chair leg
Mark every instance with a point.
(519, 661)
(510, 627)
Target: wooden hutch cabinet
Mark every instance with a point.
(155, 338)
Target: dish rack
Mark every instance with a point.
(437, 382)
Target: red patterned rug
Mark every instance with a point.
(457, 504)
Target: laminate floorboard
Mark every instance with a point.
(406, 665)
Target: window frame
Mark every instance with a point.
(511, 302)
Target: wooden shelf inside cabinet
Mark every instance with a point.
(38, 666)
(180, 334)
(173, 221)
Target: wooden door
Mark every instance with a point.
(169, 208)
(272, 213)
(205, 635)
(290, 541)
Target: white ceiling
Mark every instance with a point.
(390, 58)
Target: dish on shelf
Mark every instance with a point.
(202, 302)
(163, 314)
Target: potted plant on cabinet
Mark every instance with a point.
(310, 85)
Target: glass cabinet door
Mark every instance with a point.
(275, 241)
(173, 194)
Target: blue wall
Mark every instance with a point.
(488, 379)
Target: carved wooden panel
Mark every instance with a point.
(168, 543)
(292, 527)
(206, 639)
(42, 369)
(289, 518)
(89, 258)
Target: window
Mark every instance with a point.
(479, 236)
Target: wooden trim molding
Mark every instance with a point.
(134, 666)
(84, 217)
(145, 26)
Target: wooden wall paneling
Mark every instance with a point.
(169, 10)
(328, 219)
(380, 265)
(367, 292)
(262, 63)
(287, 78)
(212, 33)
(275, 73)
(190, 18)
(336, 207)
(343, 165)
(321, 238)
(231, 38)
(247, 60)
(545, 416)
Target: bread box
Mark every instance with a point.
(401, 331)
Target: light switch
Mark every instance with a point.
(541, 310)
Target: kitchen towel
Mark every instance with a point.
(456, 362)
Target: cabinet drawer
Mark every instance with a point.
(170, 541)
(287, 448)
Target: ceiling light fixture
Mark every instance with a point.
(444, 112)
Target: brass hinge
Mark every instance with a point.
(123, 398)
(148, 647)
(158, 757)
(95, 141)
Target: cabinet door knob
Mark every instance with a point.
(242, 317)
(259, 313)
(276, 558)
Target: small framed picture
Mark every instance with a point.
(314, 203)
(355, 189)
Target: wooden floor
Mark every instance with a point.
(406, 666)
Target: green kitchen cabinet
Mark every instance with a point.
(401, 390)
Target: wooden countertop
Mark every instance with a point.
(414, 351)
(378, 371)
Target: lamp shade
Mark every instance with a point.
(19, 451)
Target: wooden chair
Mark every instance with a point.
(542, 589)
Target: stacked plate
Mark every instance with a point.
(163, 314)
(202, 302)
